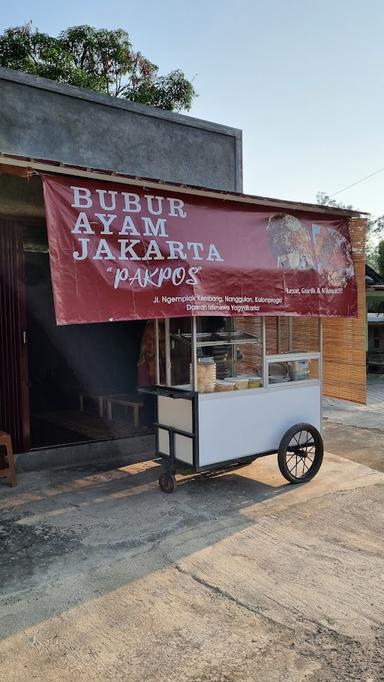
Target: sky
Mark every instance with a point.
(303, 79)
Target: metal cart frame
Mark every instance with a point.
(285, 447)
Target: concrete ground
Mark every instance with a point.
(357, 431)
(357, 444)
(369, 416)
(234, 577)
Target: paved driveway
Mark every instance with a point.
(234, 577)
(369, 416)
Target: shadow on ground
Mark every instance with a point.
(58, 524)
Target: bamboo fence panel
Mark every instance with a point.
(344, 340)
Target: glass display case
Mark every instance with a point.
(227, 354)
(229, 389)
(211, 354)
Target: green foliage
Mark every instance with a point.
(375, 228)
(325, 200)
(375, 233)
(371, 255)
(96, 59)
(380, 257)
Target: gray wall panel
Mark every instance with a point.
(42, 119)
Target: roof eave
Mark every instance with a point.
(38, 166)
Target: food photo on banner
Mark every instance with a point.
(120, 252)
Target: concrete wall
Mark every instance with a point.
(42, 119)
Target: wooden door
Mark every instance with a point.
(14, 398)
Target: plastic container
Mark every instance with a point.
(278, 373)
(223, 385)
(299, 370)
(255, 382)
(241, 382)
(206, 374)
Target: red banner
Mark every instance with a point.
(126, 253)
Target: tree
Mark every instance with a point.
(325, 200)
(380, 257)
(96, 59)
(375, 228)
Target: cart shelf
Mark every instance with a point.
(204, 339)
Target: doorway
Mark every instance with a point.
(82, 378)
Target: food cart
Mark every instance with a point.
(235, 288)
(233, 389)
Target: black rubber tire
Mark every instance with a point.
(290, 448)
(167, 482)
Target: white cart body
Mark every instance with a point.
(211, 430)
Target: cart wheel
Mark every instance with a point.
(167, 482)
(300, 453)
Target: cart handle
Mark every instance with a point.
(168, 392)
(172, 429)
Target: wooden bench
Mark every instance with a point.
(132, 402)
(100, 399)
(8, 471)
